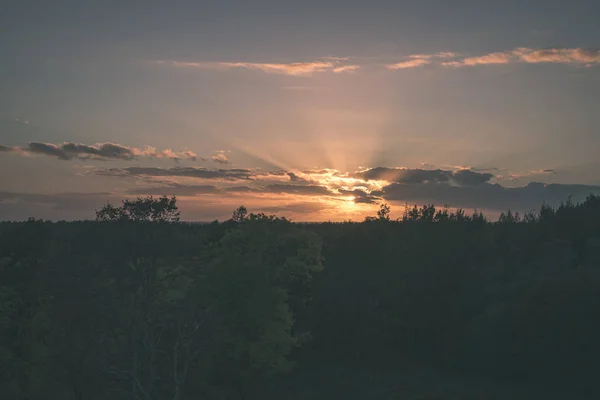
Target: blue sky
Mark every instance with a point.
(507, 90)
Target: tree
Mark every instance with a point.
(240, 214)
(163, 209)
(259, 274)
(384, 212)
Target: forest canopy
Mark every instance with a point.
(138, 305)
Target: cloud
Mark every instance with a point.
(488, 196)
(308, 190)
(220, 158)
(166, 154)
(418, 175)
(324, 64)
(176, 190)
(417, 62)
(404, 175)
(99, 151)
(535, 172)
(189, 172)
(243, 189)
(295, 178)
(575, 56)
(456, 187)
(469, 177)
(47, 149)
(361, 196)
(294, 69)
(442, 55)
(335, 58)
(492, 58)
(324, 171)
(346, 68)
(566, 56)
(8, 149)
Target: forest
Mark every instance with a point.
(439, 304)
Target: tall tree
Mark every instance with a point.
(163, 209)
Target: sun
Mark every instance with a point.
(347, 205)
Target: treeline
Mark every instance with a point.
(139, 306)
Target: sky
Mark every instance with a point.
(313, 110)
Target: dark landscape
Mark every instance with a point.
(435, 305)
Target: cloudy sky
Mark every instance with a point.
(316, 110)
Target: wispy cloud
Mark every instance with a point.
(440, 55)
(492, 58)
(522, 175)
(419, 60)
(346, 68)
(575, 56)
(567, 56)
(293, 69)
(22, 121)
(99, 151)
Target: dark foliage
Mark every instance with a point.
(163, 209)
(242, 310)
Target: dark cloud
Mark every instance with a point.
(404, 175)
(418, 176)
(176, 190)
(295, 178)
(469, 177)
(308, 190)
(360, 196)
(488, 169)
(100, 151)
(105, 150)
(488, 196)
(190, 172)
(47, 149)
(8, 149)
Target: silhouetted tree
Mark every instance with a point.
(163, 209)
(384, 212)
(240, 214)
